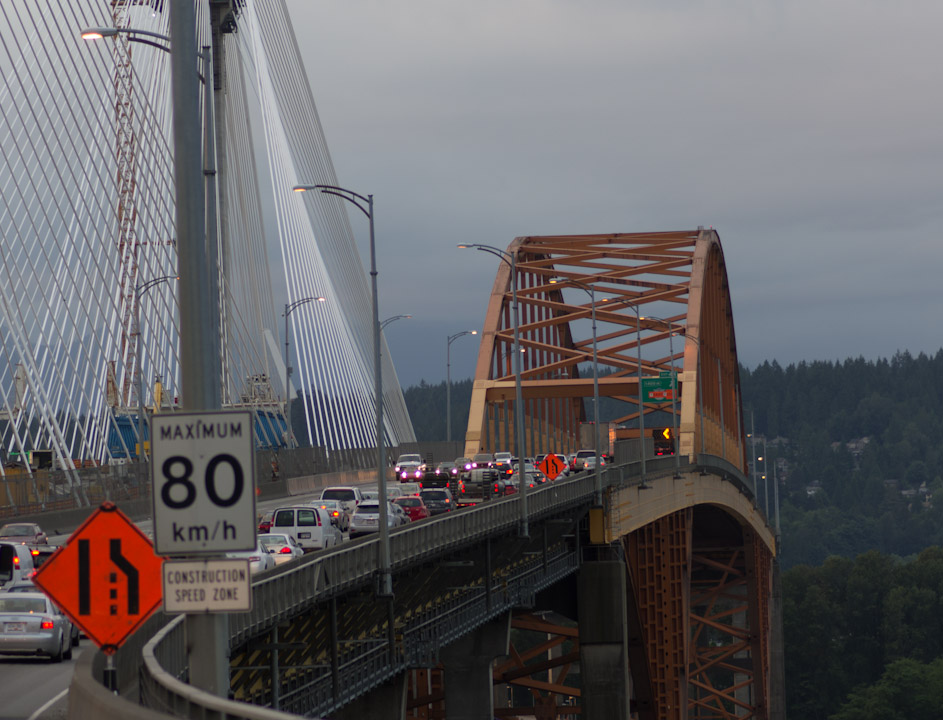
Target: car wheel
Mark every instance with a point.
(57, 657)
(75, 636)
(67, 655)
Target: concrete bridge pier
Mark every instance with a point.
(604, 657)
(467, 665)
(386, 702)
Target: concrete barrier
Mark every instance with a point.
(312, 483)
(89, 699)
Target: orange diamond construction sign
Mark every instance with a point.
(106, 577)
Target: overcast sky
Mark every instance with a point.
(809, 133)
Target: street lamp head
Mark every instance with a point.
(302, 188)
(474, 332)
(97, 33)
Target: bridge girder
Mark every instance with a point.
(675, 283)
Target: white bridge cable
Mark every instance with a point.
(68, 303)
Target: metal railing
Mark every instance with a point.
(291, 589)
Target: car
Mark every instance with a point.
(438, 500)
(349, 495)
(589, 464)
(446, 467)
(310, 526)
(259, 559)
(410, 488)
(414, 506)
(265, 522)
(482, 460)
(21, 586)
(370, 494)
(409, 467)
(339, 515)
(28, 586)
(393, 491)
(281, 546)
(366, 518)
(30, 624)
(29, 533)
(533, 474)
(16, 562)
(579, 460)
(41, 553)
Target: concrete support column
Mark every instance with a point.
(604, 658)
(386, 702)
(468, 666)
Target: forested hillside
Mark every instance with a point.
(858, 450)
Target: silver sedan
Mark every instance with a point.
(281, 547)
(31, 625)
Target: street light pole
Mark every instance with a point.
(511, 260)
(288, 309)
(448, 381)
(365, 205)
(591, 290)
(641, 403)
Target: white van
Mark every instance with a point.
(310, 526)
(16, 563)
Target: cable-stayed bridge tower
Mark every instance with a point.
(86, 221)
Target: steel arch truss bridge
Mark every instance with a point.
(89, 322)
(661, 302)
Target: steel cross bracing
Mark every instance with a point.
(661, 301)
(87, 213)
(451, 574)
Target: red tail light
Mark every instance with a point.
(16, 561)
(34, 552)
(285, 550)
(47, 624)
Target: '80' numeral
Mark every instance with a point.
(178, 470)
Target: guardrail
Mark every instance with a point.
(289, 590)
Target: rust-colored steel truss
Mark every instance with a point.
(540, 662)
(661, 300)
(701, 585)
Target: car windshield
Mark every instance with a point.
(22, 605)
(409, 502)
(434, 495)
(367, 509)
(338, 494)
(482, 458)
(409, 459)
(273, 540)
(17, 530)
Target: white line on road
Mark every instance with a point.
(48, 705)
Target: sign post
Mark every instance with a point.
(203, 485)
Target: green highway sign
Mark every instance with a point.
(657, 389)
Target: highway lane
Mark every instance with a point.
(27, 684)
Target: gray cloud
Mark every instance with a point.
(808, 133)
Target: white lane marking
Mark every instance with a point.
(48, 704)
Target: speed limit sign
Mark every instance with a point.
(203, 482)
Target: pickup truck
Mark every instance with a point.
(483, 484)
(408, 467)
